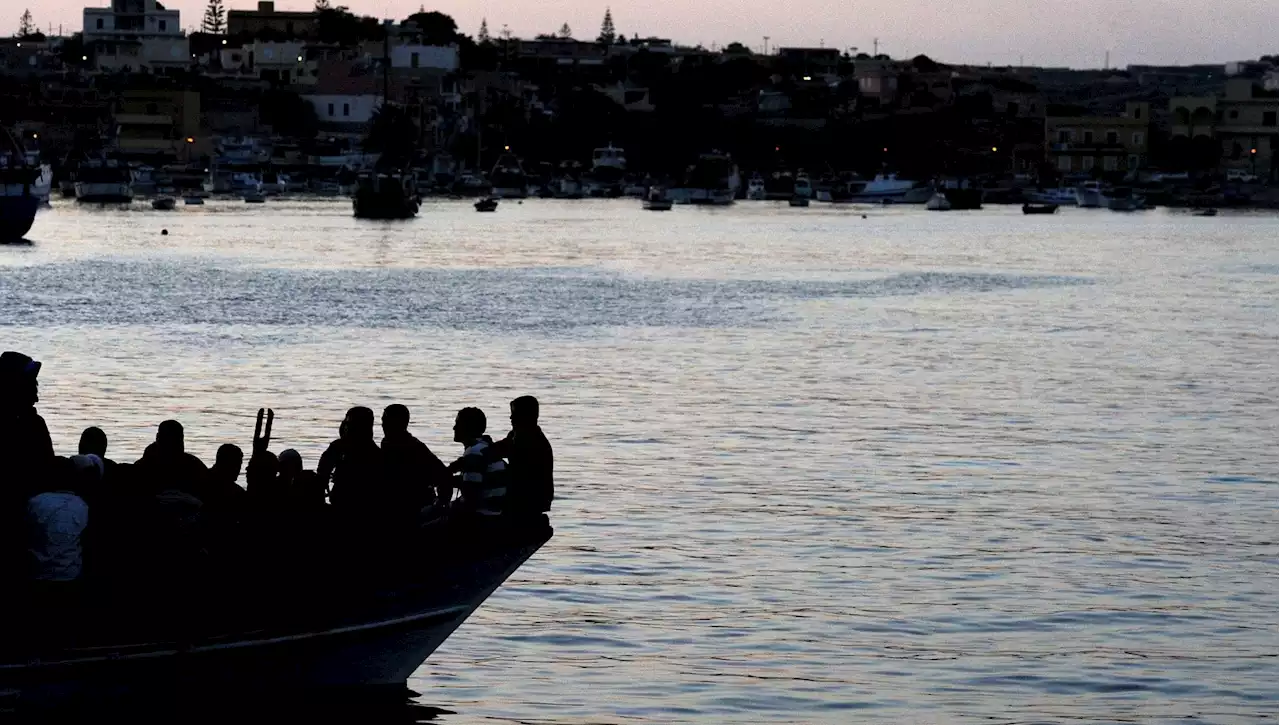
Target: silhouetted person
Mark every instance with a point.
(290, 468)
(26, 449)
(26, 452)
(221, 493)
(481, 477)
(265, 494)
(166, 464)
(413, 472)
(530, 459)
(355, 463)
(94, 442)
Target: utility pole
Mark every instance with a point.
(1106, 63)
(766, 45)
(875, 47)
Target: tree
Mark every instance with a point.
(622, 39)
(322, 5)
(483, 35)
(214, 18)
(26, 26)
(437, 28)
(607, 32)
(736, 48)
(565, 33)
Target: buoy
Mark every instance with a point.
(864, 216)
(164, 232)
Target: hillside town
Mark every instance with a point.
(307, 100)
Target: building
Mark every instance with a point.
(276, 61)
(268, 23)
(1240, 123)
(877, 81)
(1092, 144)
(136, 34)
(809, 61)
(160, 123)
(346, 94)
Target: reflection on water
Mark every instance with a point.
(968, 467)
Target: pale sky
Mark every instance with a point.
(1075, 33)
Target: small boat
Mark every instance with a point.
(18, 198)
(755, 188)
(1039, 208)
(938, 202)
(487, 204)
(656, 199)
(164, 203)
(193, 200)
(1204, 212)
(1090, 195)
(254, 197)
(800, 201)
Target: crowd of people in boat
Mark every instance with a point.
(54, 509)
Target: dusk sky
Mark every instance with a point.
(1077, 33)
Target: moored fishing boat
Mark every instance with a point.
(18, 198)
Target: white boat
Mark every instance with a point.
(882, 187)
(508, 178)
(755, 188)
(713, 181)
(104, 181)
(1060, 196)
(608, 167)
(1090, 195)
(803, 187)
(143, 180)
(938, 202)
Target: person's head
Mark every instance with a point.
(469, 425)
(290, 464)
(18, 386)
(358, 425)
(261, 471)
(524, 412)
(395, 419)
(94, 441)
(169, 436)
(228, 461)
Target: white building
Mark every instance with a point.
(136, 34)
(435, 57)
(344, 108)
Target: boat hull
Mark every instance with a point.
(384, 647)
(104, 193)
(17, 214)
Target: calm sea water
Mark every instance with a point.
(812, 467)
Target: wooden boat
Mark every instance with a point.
(337, 636)
(1039, 208)
(487, 204)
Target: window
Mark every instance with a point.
(1086, 163)
(1137, 138)
(330, 110)
(1268, 118)
(1064, 163)
(1233, 114)
(346, 109)
(1088, 137)
(1137, 112)
(1113, 137)
(164, 25)
(413, 60)
(1109, 163)
(1064, 135)
(1133, 161)
(99, 23)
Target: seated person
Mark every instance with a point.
(221, 493)
(529, 459)
(167, 466)
(481, 477)
(413, 471)
(355, 463)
